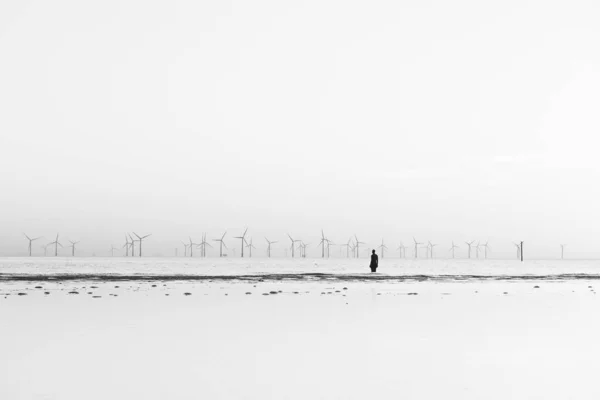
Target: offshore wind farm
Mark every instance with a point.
(299, 200)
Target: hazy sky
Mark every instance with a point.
(446, 120)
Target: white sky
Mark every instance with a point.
(462, 120)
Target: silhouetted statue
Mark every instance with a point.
(374, 262)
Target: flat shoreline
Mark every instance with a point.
(293, 277)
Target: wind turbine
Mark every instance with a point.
(322, 244)
(244, 242)
(45, 249)
(562, 251)
(204, 244)
(269, 247)
(383, 247)
(56, 243)
(486, 247)
(221, 244)
(416, 247)
(140, 238)
(518, 246)
(453, 248)
(185, 247)
(132, 246)
(402, 250)
(112, 250)
(470, 244)
(191, 246)
(72, 246)
(477, 246)
(250, 246)
(30, 242)
(329, 244)
(293, 242)
(305, 245)
(358, 243)
(431, 246)
(348, 246)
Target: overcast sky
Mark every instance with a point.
(445, 120)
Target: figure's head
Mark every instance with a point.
(373, 251)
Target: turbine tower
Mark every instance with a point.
(185, 247)
(357, 245)
(140, 238)
(329, 244)
(453, 248)
(30, 242)
(250, 246)
(477, 246)
(562, 251)
(244, 242)
(293, 243)
(470, 244)
(72, 246)
(191, 246)
(132, 246)
(204, 244)
(486, 247)
(269, 243)
(416, 247)
(56, 243)
(518, 246)
(431, 246)
(322, 243)
(348, 246)
(383, 247)
(112, 250)
(221, 244)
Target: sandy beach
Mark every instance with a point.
(523, 339)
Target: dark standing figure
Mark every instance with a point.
(374, 262)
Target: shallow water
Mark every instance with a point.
(274, 269)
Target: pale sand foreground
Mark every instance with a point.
(375, 342)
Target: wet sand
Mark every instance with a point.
(298, 340)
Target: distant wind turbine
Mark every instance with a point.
(431, 246)
(132, 245)
(56, 243)
(293, 243)
(140, 238)
(30, 242)
(416, 247)
(191, 246)
(269, 243)
(470, 244)
(562, 251)
(72, 246)
(204, 244)
(486, 247)
(112, 250)
(244, 242)
(402, 250)
(45, 247)
(185, 248)
(383, 247)
(358, 243)
(250, 246)
(477, 246)
(322, 243)
(453, 248)
(221, 244)
(348, 246)
(329, 244)
(518, 246)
